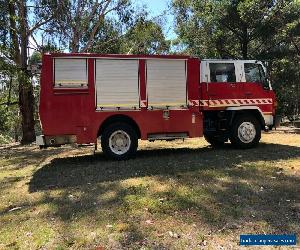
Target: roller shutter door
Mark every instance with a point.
(117, 83)
(70, 72)
(166, 83)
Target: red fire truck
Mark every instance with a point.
(123, 98)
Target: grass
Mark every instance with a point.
(173, 195)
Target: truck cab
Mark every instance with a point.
(231, 89)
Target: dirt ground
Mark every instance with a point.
(173, 195)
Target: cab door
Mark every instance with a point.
(224, 86)
(256, 83)
(257, 89)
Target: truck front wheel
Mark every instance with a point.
(119, 141)
(246, 132)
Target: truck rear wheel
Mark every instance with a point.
(246, 132)
(119, 141)
(214, 141)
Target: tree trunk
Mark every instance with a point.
(244, 42)
(245, 49)
(13, 33)
(26, 97)
(26, 105)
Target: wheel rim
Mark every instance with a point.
(246, 132)
(119, 142)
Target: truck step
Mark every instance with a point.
(167, 136)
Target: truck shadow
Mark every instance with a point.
(238, 188)
(80, 170)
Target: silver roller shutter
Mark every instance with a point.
(166, 83)
(117, 83)
(70, 72)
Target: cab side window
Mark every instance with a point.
(222, 72)
(254, 72)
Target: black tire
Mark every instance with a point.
(215, 141)
(237, 140)
(105, 141)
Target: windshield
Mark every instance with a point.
(254, 73)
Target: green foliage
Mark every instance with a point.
(85, 26)
(145, 37)
(3, 119)
(235, 28)
(285, 76)
(9, 110)
(78, 25)
(9, 122)
(107, 39)
(35, 58)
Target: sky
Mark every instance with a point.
(156, 7)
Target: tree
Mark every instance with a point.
(145, 37)
(20, 24)
(236, 28)
(108, 39)
(9, 118)
(78, 23)
(108, 26)
(138, 35)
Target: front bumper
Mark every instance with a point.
(269, 120)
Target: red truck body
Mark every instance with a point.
(71, 114)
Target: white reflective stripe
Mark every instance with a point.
(193, 102)
(203, 102)
(143, 103)
(235, 102)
